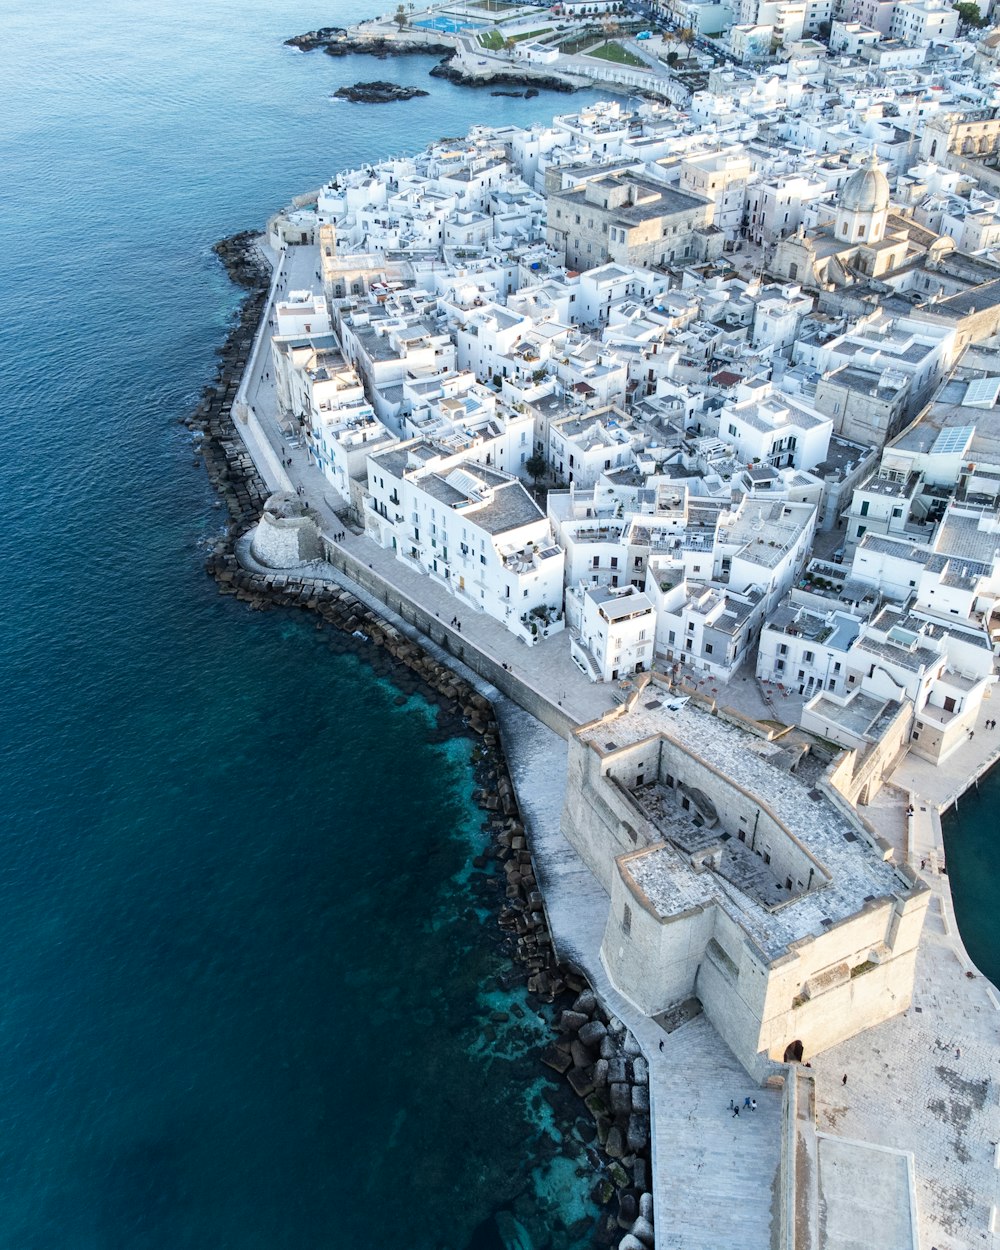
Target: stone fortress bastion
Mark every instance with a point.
(738, 876)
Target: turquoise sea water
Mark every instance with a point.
(245, 982)
(972, 851)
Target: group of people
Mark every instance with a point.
(749, 1104)
(456, 623)
(340, 536)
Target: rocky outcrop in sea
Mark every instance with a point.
(377, 92)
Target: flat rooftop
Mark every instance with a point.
(857, 870)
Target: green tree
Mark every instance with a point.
(536, 466)
(509, 46)
(399, 17)
(672, 59)
(969, 14)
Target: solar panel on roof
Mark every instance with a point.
(982, 393)
(953, 439)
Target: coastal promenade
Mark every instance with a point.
(922, 1086)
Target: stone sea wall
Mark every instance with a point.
(599, 1058)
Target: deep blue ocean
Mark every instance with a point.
(245, 986)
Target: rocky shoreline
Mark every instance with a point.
(377, 92)
(335, 41)
(599, 1058)
(538, 82)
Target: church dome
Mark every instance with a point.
(867, 189)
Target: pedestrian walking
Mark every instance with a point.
(746, 1102)
(736, 1111)
(843, 1079)
(753, 1104)
(661, 1045)
(731, 1104)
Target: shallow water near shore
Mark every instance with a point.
(245, 981)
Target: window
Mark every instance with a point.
(614, 562)
(596, 562)
(626, 920)
(708, 648)
(864, 508)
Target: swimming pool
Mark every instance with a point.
(449, 25)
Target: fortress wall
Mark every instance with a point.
(654, 961)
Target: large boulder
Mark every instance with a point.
(586, 1002)
(621, 1098)
(617, 1069)
(582, 1081)
(642, 1231)
(592, 1033)
(638, 1131)
(582, 1058)
(572, 1021)
(628, 1208)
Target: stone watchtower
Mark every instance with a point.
(863, 206)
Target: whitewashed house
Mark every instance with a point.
(615, 631)
(474, 529)
(804, 648)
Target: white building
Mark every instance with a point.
(474, 529)
(616, 631)
(804, 647)
(919, 22)
(766, 426)
(302, 313)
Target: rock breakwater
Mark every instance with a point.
(600, 1060)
